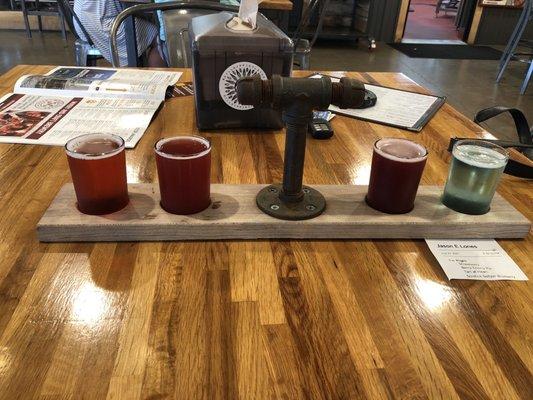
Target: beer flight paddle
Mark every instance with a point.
(98, 167)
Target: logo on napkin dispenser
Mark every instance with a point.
(228, 81)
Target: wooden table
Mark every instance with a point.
(253, 319)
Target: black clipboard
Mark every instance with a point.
(417, 127)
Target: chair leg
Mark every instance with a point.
(437, 8)
(80, 53)
(62, 22)
(26, 19)
(512, 43)
(39, 19)
(527, 78)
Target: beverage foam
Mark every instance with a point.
(401, 150)
(183, 147)
(479, 156)
(94, 146)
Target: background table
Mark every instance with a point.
(253, 319)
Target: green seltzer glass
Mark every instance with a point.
(473, 176)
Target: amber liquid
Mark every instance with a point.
(100, 184)
(394, 183)
(184, 183)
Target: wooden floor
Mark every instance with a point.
(253, 319)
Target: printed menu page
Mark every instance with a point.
(475, 259)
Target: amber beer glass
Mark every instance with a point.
(98, 167)
(397, 166)
(184, 172)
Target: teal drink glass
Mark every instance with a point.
(473, 176)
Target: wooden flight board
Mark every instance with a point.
(234, 215)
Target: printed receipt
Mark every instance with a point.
(475, 259)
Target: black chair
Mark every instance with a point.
(41, 8)
(85, 52)
(179, 47)
(176, 27)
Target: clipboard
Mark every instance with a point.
(422, 107)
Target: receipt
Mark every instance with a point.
(475, 259)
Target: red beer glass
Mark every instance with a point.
(98, 167)
(397, 166)
(184, 171)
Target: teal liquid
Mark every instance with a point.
(473, 178)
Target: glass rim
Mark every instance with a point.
(483, 143)
(398, 158)
(95, 156)
(160, 142)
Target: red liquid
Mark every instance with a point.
(100, 183)
(395, 175)
(184, 182)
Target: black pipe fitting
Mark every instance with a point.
(297, 98)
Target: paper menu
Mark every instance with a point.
(394, 107)
(475, 259)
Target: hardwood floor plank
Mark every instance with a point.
(189, 339)
(268, 294)
(37, 324)
(316, 330)
(399, 339)
(130, 363)
(159, 374)
(222, 364)
(510, 363)
(453, 347)
(283, 363)
(363, 350)
(66, 365)
(251, 370)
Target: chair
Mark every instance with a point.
(179, 52)
(176, 27)
(176, 18)
(85, 52)
(446, 5)
(50, 8)
(514, 41)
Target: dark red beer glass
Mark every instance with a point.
(397, 166)
(184, 171)
(98, 167)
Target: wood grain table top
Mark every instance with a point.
(356, 319)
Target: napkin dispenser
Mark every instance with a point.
(224, 49)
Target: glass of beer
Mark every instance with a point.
(473, 176)
(184, 171)
(98, 167)
(397, 166)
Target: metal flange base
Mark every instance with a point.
(312, 205)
